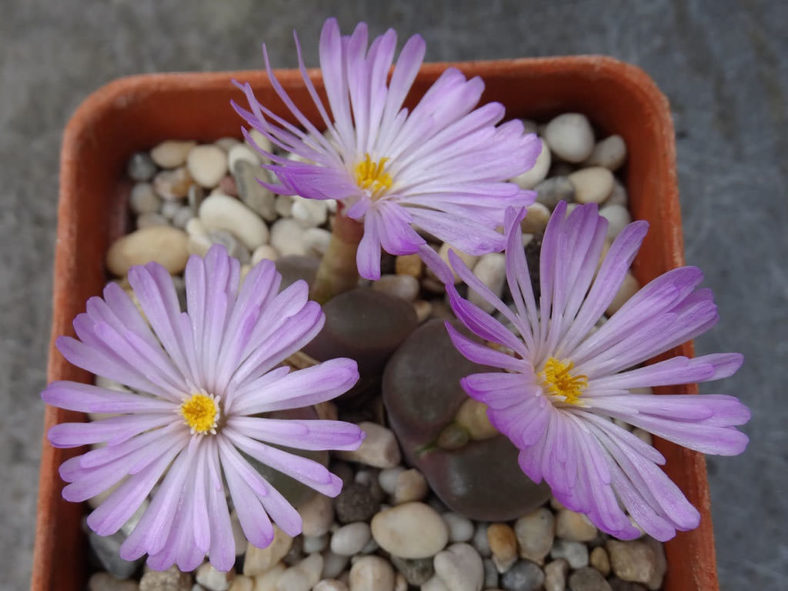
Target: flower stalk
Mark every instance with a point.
(338, 271)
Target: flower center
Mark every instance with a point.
(201, 413)
(561, 383)
(371, 176)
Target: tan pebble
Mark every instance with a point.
(371, 573)
(173, 184)
(410, 486)
(330, 585)
(592, 185)
(410, 530)
(379, 448)
(239, 537)
(491, 271)
(574, 527)
(473, 417)
(503, 545)
(644, 436)
(264, 252)
(460, 568)
(638, 561)
(267, 581)
(408, 264)
(404, 287)
(260, 141)
(199, 245)
(259, 560)
(213, 579)
(617, 216)
(610, 152)
(469, 259)
(530, 178)
(160, 244)
(555, 575)
(242, 152)
(536, 219)
(433, 286)
(207, 164)
(423, 310)
(599, 560)
(400, 583)
(317, 515)
(242, 583)
(535, 533)
(106, 582)
(171, 153)
(628, 288)
(435, 584)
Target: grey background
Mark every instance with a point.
(722, 64)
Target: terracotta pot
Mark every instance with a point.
(135, 113)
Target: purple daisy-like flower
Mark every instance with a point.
(564, 377)
(441, 167)
(202, 380)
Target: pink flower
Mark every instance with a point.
(441, 167)
(565, 378)
(201, 381)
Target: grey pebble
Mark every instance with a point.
(146, 220)
(143, 199)
(416, 571)
(141, 167)
(231, 243)
(523, 576)
(107, 549)
(355, 503)
(588, 579)
(490, 573)
(554, 189)
(575, 553)
(182, 217)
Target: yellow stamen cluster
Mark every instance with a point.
(371, 176)
(201, 413)
(561, 383)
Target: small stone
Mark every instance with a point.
(435, 584)
(166, 580)
(350, 539)
(315, 543)
(241, 583)
(530, 178)
(400, 584)
(199, 244)
(600, 560)
(503, 545)
(588, 579)
(303, 576)
(638, 561)
(172, 184)
(416, 571)
(460, 527)
(258, 198)
(333, 564)
(557, 188)
(405, 287)
(182, 217)
(534, 534)
(212, 579)
(241, 152)
(222, 212)
(411, 486)
(143, 199)
(618, 217)
(575, 553)
(161, 244)
(570, 137)
(555, 575)
(267, 581)
(536, 219)
(316, 241)
(195, 196)
(355, 503)
(371, 573)
(472, 416)
(233, 246)
(423, 310)
(379, 448)
(460, 568)
(171, 153)
(284, 205)
(618, 196)
(264, 252)
(592, 185)
(170, 208)
(574, 527)
(287, 238)
(227, 143)
(140, 167)
(611, 153)
(644, 436)
(148, 220)
(387, 479)
(309, 213)
(480, 541)
(207, 165)
(618, 585)
(523, 576)
(490, 270)
(295, 268)
(330, 585)
(411, 530)
(408, 264)
(227, 186)
(107, 550)
(259, 140)
(106, 582)
(629, 287)
(239, 537)
(491, 575)
(259, 560)
(469, 259)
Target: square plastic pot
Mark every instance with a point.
(136, 113)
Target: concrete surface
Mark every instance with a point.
(722, 64)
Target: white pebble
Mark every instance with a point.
(611, 153)
(570, 137)
(411, 486)
(330, 585)
(264, 252)
(284, 206)
(371, 573)
(618, 196)
(241, 152)
(460, 568)
(592, 185)
(315, 543)
(490, 270)
(530, 178)
(267, 580)
(469, 259)
(480, 541)
(207, 165)
(435, 584)
(221, 212)
(629, 287)
(617, 216)
(316, 241)
(460, 527)
(226, 143)
(411, 530)
(146, 220)
(309, 213)
(143, 199)
(388, 479)
(260, 140)
(379, 448)
(351, 538)
(171, 153)
(212, 579)
(317, 515)
(287, 237)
